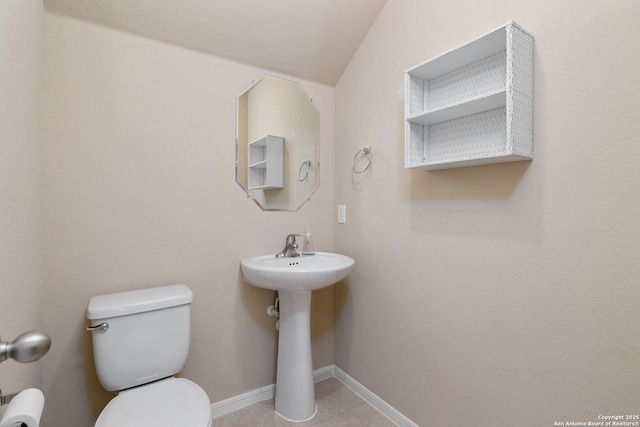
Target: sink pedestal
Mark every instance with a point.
(295, 396)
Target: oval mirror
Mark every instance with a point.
(277, 144)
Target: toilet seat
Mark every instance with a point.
(166, 403)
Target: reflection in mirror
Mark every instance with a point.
(277, 144)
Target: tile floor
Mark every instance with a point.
(338, 406)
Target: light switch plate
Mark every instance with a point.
(342, 214)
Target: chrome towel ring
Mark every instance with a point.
(366, 151)
(306, 163)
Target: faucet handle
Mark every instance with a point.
(291, 239)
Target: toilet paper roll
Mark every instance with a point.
(24, 410)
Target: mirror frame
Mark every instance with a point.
(297, 120)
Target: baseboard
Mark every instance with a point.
(268, 392)
(372, 399)
(243, 400)
(324, 373)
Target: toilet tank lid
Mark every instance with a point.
(138, 301)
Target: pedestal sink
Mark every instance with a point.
(294, 279)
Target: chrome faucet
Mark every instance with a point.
(289, 250)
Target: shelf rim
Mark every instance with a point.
(474, 105)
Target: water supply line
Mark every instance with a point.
(274, 311)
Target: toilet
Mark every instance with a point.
(140, 341)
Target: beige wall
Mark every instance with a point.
(20, 182)
(503, 294)
(140, 191)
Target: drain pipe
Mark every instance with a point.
(274, 311)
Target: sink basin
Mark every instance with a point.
(306, 272)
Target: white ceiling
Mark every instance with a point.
(312, 39)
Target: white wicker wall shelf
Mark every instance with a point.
(266, 163)
(472, 105)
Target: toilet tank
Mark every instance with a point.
(147, 336)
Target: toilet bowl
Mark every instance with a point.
(140, 341)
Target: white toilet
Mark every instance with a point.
(140, 340)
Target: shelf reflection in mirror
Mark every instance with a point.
(275, 109)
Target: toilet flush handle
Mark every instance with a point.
(100, 327)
